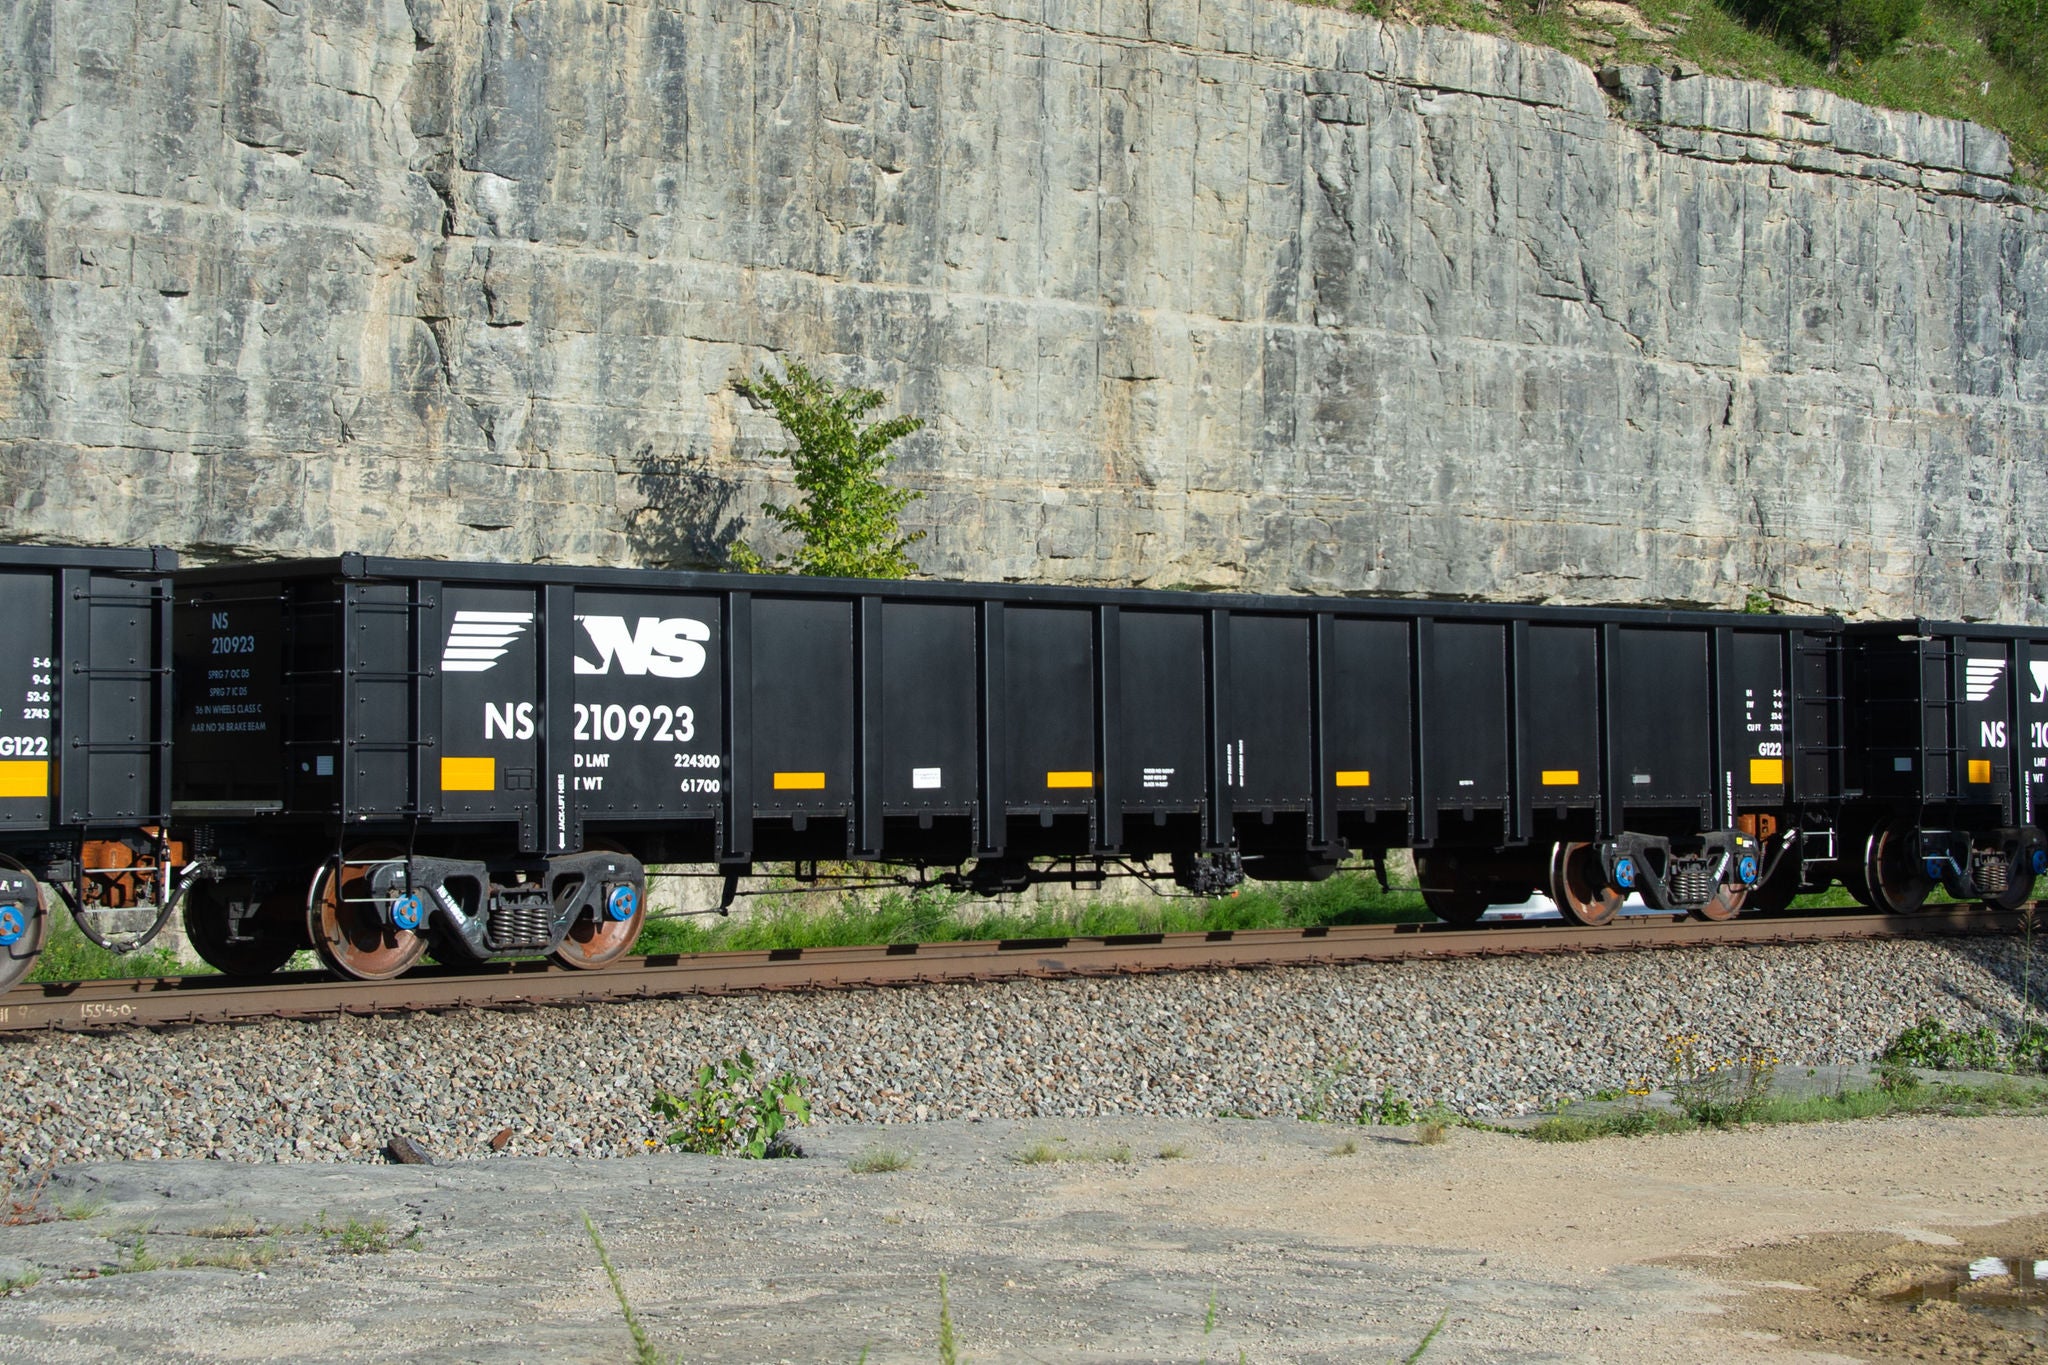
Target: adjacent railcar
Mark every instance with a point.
(483, 758)
(85, 780)
(1947, 763)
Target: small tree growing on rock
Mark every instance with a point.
(845, 521)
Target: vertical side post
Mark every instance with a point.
(739, 728)
(1222, 766)
(1109, 714)
(867, 709)
(994, 734)
(562, 822)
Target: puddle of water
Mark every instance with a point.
(2014, 1292)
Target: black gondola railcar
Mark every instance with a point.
(1947, 775)
(485, 756)
(85, 782)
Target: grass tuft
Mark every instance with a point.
(877, 1160)
(949, 1349)
(2005, 1096)
(940, 917)
(643, 1349)
(69, 955)
(1043, 1153)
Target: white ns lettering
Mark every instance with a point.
(513, 720)
(671, 648)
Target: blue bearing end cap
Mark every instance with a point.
(621, 903)
(1932, 867)
(13, 924)
(1625, 873)
(2040, 861)
(408, 911)
(1745, 868)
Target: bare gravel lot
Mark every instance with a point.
(1314, 1243)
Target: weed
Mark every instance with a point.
(1936, 1046)
(257, 1257)
(1897, 1078)
(135, 1258)
(1433, 1130)
(1173, 1151)
(21, 1282)
(1718, 1092)
(232, 1229)
(68, 955)
(932, 916)
(357, 1238)
(1348, 1147)
(1209, 1325)
(1040, 1153)
(1428, 1337)
(2002, 1097)
(1569, 1127)
(949, 1350)
(876, 1160)
(1315, 1109)
(78, 1210)
(1043, 1153)
(728, 1112)
(18, 1208)
(643, 1349)
(1387, 1108)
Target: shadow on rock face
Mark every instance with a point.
(686, 520)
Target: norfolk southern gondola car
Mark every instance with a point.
(484, 758)
(1947, 749)
(85, 781)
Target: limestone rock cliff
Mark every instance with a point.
(1233, 293)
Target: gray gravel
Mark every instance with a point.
(1488, 1037)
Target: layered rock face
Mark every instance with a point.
(1228, 293)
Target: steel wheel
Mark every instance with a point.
(599, 940)
(1449, 897)
(1898, 884)
(347, 932)
(206, 929)
(24, 923)
(2019, 885)
(1775, 894)
(1579, 885)
(1724, 904)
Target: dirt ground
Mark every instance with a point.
(1311, 1242)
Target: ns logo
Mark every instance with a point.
(667, 648)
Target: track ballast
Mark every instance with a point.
(173, 1001)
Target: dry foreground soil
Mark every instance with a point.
(1311, 1242)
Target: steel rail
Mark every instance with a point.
(174, 1001)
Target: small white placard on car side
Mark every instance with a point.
(924, 778)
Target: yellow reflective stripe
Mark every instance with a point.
(1766, 772)
(1070, 779)
(1560, 777)
(1353, 777)
(469, 774)
(1980, 770)
(799, 782)
(25, 777)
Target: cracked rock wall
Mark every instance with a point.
(1230, 293)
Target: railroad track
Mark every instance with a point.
(172, 1001)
